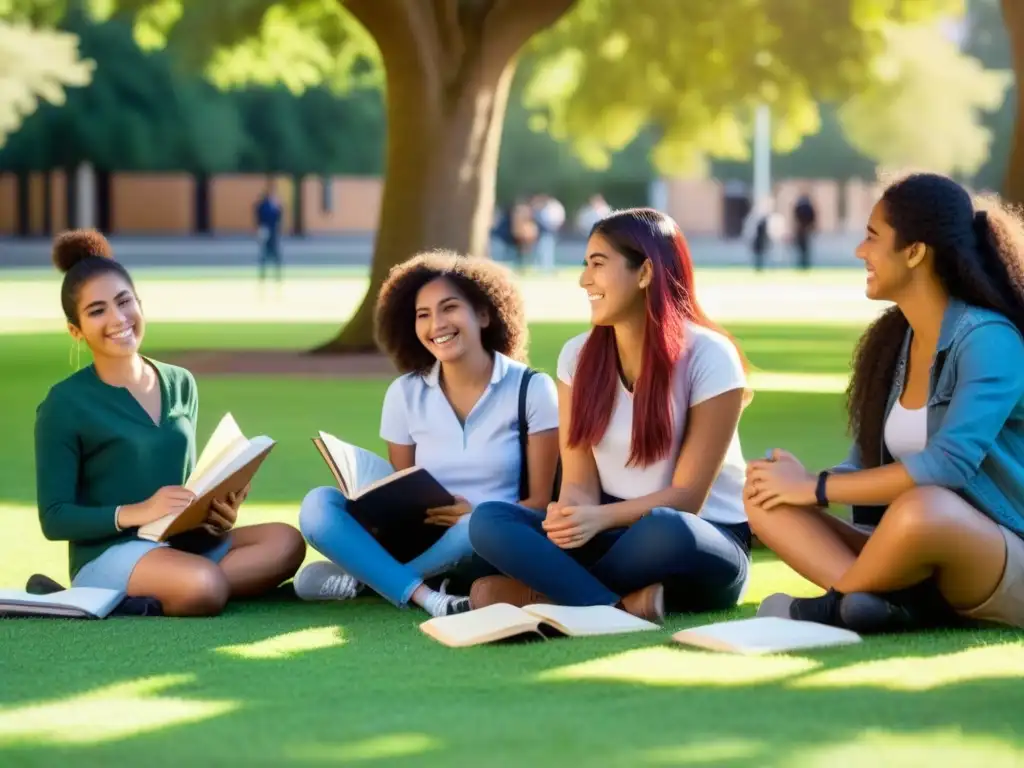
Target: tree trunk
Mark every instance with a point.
(1013, 183)
(448, 80)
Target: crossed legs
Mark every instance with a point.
(925, 533)
(260, 558)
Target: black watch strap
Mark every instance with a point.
(819, 491)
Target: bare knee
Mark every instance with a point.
(285, 547)
(280, 547)
(759, 519)
(921, 511)
(200, 590)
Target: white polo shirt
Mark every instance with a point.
(479, 460)
(709, 366)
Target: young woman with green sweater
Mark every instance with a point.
(114, 444)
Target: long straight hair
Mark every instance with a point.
(640, 234)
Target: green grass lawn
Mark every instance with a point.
(278, 682)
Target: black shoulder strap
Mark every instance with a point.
(524, 473)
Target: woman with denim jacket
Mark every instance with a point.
(936, 403)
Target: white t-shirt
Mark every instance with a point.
(906, 431)
(710, 365)
(479, 460)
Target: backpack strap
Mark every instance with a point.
(524, 473)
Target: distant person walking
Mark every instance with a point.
(550, 216)
(805, 219)
(269, 212)
(761, 228)
(591, 213)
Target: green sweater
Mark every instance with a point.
(97, 449)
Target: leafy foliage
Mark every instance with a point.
(696, 70)
(141, 112)
(925, 104)
(36, 66)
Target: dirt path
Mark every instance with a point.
(272, 362)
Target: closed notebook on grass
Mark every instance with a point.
(226, 465)
(74, 603)
(506, 622)
(378, 496)
(763, 635)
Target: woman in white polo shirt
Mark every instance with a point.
(650, 514)
(456, 328)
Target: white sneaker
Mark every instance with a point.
(323, 580)
(443, 604)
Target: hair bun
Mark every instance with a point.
(70, 248)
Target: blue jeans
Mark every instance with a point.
(702, 565)
(333, 532)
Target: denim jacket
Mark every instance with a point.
(975, 416)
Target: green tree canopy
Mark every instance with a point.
(692, 71)
(926, 105)
(697, 70)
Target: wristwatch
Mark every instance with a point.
(819, 491)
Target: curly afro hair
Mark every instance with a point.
(82, 254)
(487, 286)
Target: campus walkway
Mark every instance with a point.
(355, 250)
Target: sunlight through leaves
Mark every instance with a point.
(914, 750)
(108, 714)
(289, 644)
(374, 748)
(680, 667)
(989, 662)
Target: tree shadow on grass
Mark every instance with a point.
(290, 683)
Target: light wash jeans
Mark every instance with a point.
(333, 532)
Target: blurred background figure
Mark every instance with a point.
(804, 220)
(595, 209)
(549, 215)
(762, 228)
(269, 212)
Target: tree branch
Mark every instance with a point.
(450, 34)
(512, 23)
(406, 34)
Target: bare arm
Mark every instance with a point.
(710, 426)
(580, 482)
(542, 459)
(401, 456)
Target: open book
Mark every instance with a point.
(765, 634)
(226, 465)
(378, 496)
(502, 621)
(74, 603)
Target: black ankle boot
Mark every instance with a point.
(919, 607)
(821, 610)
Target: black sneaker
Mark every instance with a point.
(821, 610)
(38, 584)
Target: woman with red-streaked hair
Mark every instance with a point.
(650, 512)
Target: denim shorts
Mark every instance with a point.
(114, 568)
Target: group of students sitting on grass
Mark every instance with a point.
(634, 492)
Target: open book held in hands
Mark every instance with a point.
(763, 635)
(502, 621)
(378, 496)
(226, 465)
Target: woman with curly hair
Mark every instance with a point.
(650, 511)
(114, 443)
(936, 406)
(455, 328)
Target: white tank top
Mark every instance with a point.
(906, 431)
